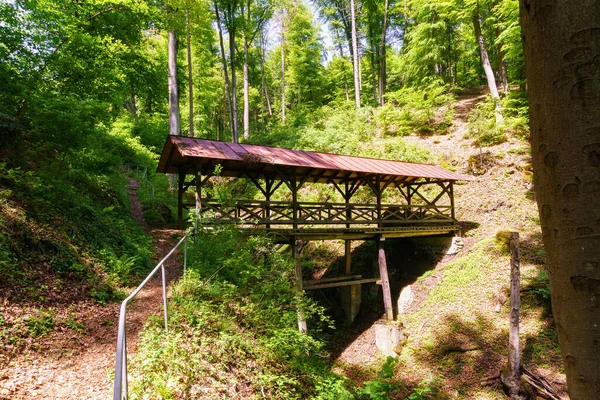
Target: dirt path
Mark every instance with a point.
(72, 365)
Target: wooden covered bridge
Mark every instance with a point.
(425, 192)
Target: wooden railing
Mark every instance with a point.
(281, 214)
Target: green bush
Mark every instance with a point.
(410, 110)
(482, 125)
(233, 321)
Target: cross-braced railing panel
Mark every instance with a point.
(280, 213)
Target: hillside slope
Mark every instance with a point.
(457, 325)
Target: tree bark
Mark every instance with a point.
(174, 117)
(246, 92)
(487, 67)
(225, 74)
(231, 29)
(282, 70)
(382, 56)
(502, 74)
(262, 76)
(355, 55)
(190, 78)
(561, 41)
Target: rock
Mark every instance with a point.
(387, 338)
(456, 246)
(405, 299)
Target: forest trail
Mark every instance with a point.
(72, 365)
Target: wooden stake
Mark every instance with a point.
(512, 378)
(515, 305)
(385, 281)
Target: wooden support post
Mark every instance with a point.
(198, 194)
(269, 187)
(180, 198)
(296, 246)
(348, 250)
(451, 194)
(379, 193)
(385, 281)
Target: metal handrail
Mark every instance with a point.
(120, 382)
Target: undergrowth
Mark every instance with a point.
(232, 330)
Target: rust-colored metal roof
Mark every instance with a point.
(239, 159)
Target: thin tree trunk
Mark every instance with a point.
(382, 56)
(561, 41)
(262, 75)
(374, 69)
(174, 117)
(282, 70)
(502, 65)
(341, 48)
(246, 92)
(355, 56)
(487, 67)
(232, 30)
(190, 78)
(226, 75)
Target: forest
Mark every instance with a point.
(91, 89)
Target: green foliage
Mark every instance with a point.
(385, 384)
(540, 288)
(482, 126)
(41, 323)
(421, 392)
(233, 322)
(423, 111)
(72, 323)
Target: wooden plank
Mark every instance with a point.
(339, 284)
(332, 279)
(385, 281)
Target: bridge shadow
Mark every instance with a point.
(408, 259)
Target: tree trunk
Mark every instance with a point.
(502, 65)
(375, 67)
(561, 42)
(190, 78)
(234, 127)
(382, 57)
(487, 67)
(355, 56)
(341, 48)
(282, 70)
(224, 62)
(174, 117)
(246, 92)
(262, 75)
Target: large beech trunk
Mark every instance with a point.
(174, 117)
(561, 46)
